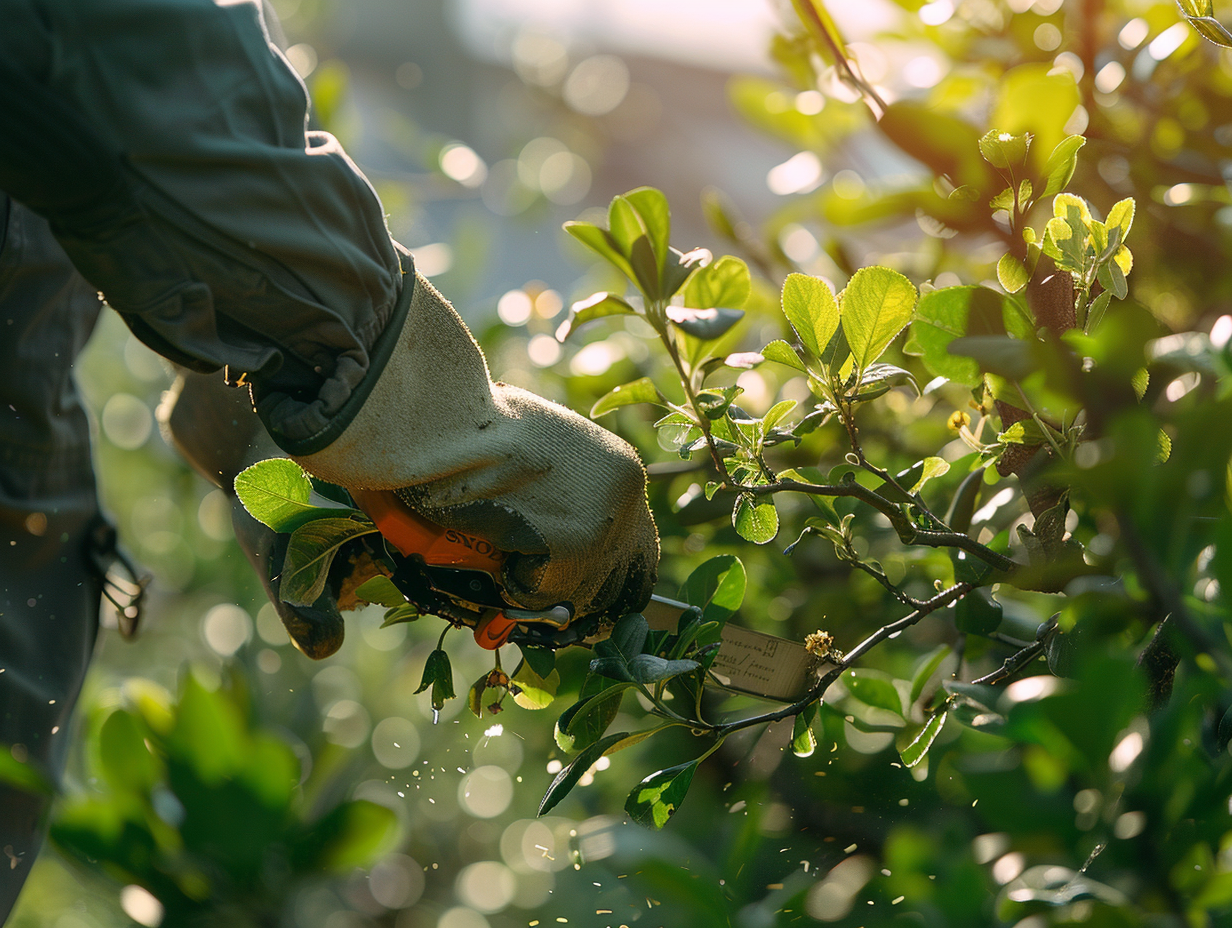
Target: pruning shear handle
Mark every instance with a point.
(441, 565)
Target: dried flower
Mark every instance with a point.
(821, 645)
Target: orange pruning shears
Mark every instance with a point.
(458, 574)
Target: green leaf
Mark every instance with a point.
(438, 674)
(651, 206)
(977, 613)
(873, 689)
(706, 324)
(932, 467)
(1011, 358)
(22, 775)
(952, 312)
(629, 634)
(596, 306)
(656, 799)
(782, 353)
(534, 691)
(1061, 163)
(755, 521)
(917, 741)
(276, 493)
(310, 551)
(568, 777)
(809, 305)
(803, 740)
(584, 723)
(1038, 99)
(601, 242)
(777, 413)
(716, 587)
(724, 282)
(1004, 149)
(1011, 274)
(928, 666)
(649, 668)
(123, 753)
(407, 612)
(474, 696)
(641, 390)
(1096, 313)
(354, 834)
(624, 225)
(380, 590)
(876, 305)
(878, 379)
(541, 660)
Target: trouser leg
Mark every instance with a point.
(49, 590)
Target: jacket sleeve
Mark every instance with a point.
(166, 141)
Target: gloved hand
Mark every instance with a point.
(565, 497)
(214, 429)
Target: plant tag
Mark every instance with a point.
(748, 661)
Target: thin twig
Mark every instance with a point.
(929, 606)
(1014, 663)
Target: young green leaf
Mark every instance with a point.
(716, 587)
(310, 552)
(601, 243)
(534, 691)
(932, 467)
(438, 674)
(706, 324)
(568, 777)
(915, 742)
(651, 207)
(876, 305)
(399, 614)
(724, 282)
(584, 723)
(873, 689)
(641, 390)
(1061, 163)
(1011, 274)
(755, 521)
(276, 493)
(1004, 149)
(380, 590)
(777, 413)
(782, 353)
(596, 306)
(649, 668)
(803, 740)
(809, 305)
(656, 799)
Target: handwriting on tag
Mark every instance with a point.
(763, 665)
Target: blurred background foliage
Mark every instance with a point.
(484, 124)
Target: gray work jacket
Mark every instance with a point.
(166, 142)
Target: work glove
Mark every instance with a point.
(213, 427)
(565, 498)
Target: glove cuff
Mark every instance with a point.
(276, 408)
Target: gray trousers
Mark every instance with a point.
(49, 585)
